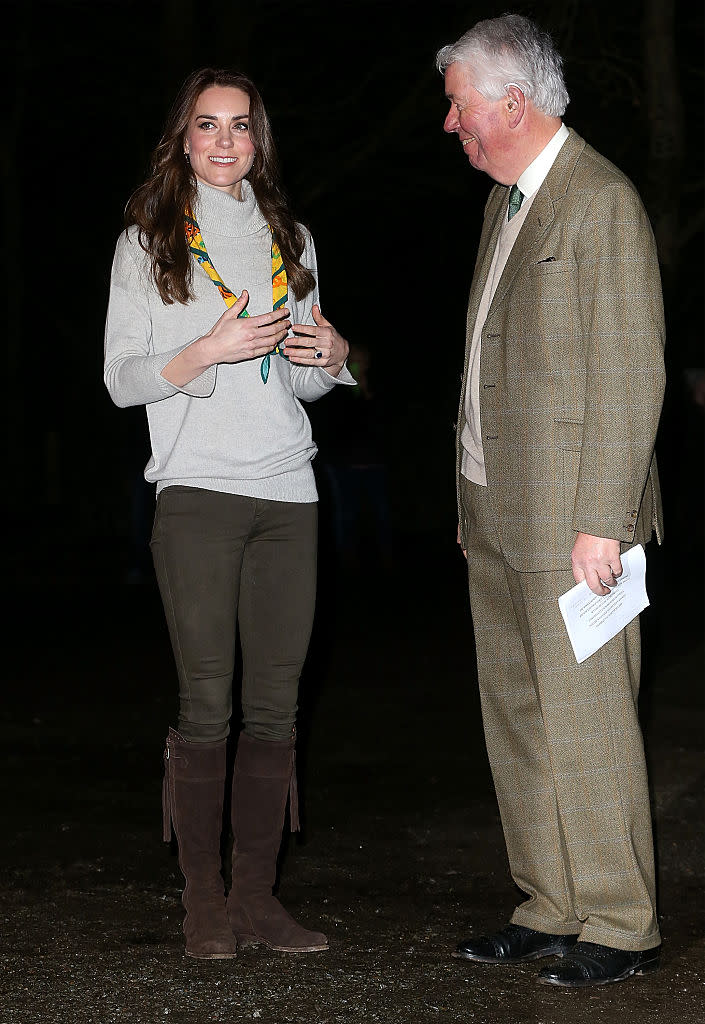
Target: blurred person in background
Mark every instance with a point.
(354, 460)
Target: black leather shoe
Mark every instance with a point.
(590, 964)
(514, 943)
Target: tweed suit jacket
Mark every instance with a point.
(571, 365)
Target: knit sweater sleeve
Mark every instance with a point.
(132, 370)
(311, 382)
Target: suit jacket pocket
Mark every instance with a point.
(540, 267)
(568, 435)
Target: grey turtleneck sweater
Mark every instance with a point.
(226, 430)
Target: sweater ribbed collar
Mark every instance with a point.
(218, 213)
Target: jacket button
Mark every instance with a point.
(630, 528)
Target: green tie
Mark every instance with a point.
(515, 200)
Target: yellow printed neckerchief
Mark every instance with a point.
(280, 291)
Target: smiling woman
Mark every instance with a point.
(217, 142)
(156, 208)
(213, 325)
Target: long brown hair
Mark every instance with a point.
(157, 206)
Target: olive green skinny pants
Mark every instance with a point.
(225, 561)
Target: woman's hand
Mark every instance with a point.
(230, 340)
(320, 345)
(233, 340)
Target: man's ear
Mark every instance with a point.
(515, 105)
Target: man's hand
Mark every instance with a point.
(596, 560)
(458, 540)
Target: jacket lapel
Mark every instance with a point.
(541, 214)
(488, 241)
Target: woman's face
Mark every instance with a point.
(217, 138)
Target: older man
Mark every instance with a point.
(560, 402)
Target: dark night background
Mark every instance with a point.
(390, 717)
(395, 210)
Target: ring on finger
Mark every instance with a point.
(318, 354)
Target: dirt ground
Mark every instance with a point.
(401, 853)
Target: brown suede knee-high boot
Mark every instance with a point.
(264, 772)
(194, 787)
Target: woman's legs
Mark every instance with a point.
(198, 542)
(275, 614)
(198, 545)
(222, 556)
(277, 597)
(218, 557)
(194, 787)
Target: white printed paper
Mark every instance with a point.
(592, 620)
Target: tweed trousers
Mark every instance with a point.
(565, 749)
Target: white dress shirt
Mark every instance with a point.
(529, 182)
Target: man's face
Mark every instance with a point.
(481, 125)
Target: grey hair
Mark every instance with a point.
(511, 50)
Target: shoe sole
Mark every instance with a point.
(636, 972)
(211, 956)
(255, 940)
(538, 955)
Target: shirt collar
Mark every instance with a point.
(532, 178)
